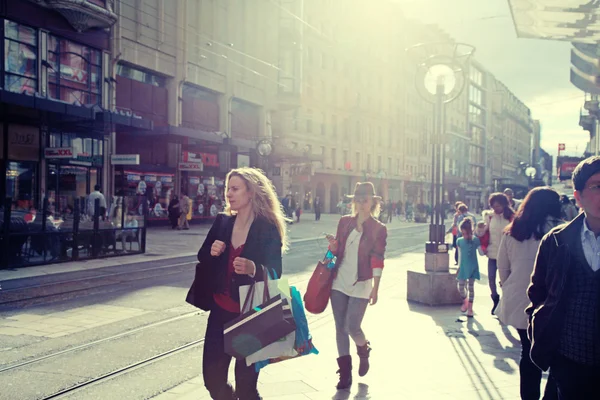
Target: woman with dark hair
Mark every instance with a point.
(496, 221)
(538, 214)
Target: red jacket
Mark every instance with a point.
(371, 249)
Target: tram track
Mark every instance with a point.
(119, 371)
(313, 322)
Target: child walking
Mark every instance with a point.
(468, 267)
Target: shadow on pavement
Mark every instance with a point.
(460, 330)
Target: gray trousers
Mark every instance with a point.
(348, 313)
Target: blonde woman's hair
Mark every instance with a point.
(264, 199)
(375, 208)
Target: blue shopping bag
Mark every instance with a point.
(303, 344)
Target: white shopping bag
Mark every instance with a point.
(285, 346)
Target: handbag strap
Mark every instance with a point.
(248, 298)
(266, 294)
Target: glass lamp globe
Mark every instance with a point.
(264, 148)
(439, 74)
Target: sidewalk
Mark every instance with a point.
(164, 243)
(419, 353)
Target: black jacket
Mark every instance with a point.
(558, 252)
(263, 246)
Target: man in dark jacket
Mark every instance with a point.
(564, 313)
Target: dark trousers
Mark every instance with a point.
(531, 375)
(317, 215)
(454, 237)
(492, 272)
(215, 363)
(574, 381)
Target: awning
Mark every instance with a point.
(126, 121)
(188, 132)
(48, 105)
(568, 20)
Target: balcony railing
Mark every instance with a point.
(83, 15)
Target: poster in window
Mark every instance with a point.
(23, 142)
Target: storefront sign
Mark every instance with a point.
(166, 179)
(133, 177)
(208, 159)
(23, 142)
(59, 152)
(194, 181)
(77, 162)
(191, 166)
(150, 178)
(125, 159)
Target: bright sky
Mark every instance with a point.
(536, 71)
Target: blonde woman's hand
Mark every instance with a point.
(243, 266)
(332, 242)
(374, 296)
(217, 248)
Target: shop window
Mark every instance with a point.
(21, 184)
(200, 109)
(20, 58)
(139, 75)
(75, 73)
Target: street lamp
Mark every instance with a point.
(264, 148)
(440, 79)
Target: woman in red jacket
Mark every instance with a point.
(359, 246)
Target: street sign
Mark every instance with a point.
(561, 147)
(125, 159)
(191, 166)
(59, 152)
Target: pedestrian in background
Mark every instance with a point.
(185, 206)
(512, 202)
(454, 229)
(468, 267)
(564, 314)
(317, 208)
(244, 243)
(568, 209)
(496, 223)
(359, 246)
(537, 215)
(96, 195)
(174, 212)
(390, 211)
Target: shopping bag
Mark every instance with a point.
(274, 287)
(318, 290)
(303, 345)
(284, 347)
(258, 326)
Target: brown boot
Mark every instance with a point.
(363, 353)
(345, 371)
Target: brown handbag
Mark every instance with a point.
(319, 286)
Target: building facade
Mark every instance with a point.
(205, 73)
(512, 144)
(54, 97)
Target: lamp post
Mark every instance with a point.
(264, 148)
(440, 78)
